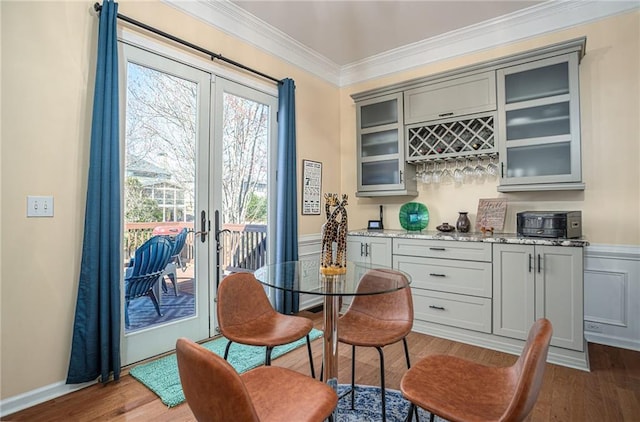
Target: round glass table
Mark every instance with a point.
(305, 277)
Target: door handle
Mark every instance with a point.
(539, 263)
(530, 258)
(204, 230)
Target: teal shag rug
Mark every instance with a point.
(161, 376)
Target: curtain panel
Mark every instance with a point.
(286, 230)
(95, 348)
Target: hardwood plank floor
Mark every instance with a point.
(610, 392)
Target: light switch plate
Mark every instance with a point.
(39, 206)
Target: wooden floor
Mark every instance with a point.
(610, 392)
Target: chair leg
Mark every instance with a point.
(383, 394)
(267, 358)
(226, 350)
(313, 371)
(152, 296)
(353, 376)
(409, 417)
(406, 352)
(174, 281)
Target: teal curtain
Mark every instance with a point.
(95, 348)
(286, 230)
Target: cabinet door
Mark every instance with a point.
(369, 249)
(559, 293)
(513, 290)
(381, 157)
(455, 97)
(539, 121)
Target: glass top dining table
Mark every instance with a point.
(304, 276)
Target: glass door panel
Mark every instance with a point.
(539, 160)
(165, 142)
(378, 114)
(537, 83)
(538, 122)
(380, 143)
(384, 172)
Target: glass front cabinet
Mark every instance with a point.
(382, 170)
(539, 125)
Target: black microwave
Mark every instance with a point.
(556, 224)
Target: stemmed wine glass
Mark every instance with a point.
(468, 171)
(458, 174)
(492, 167)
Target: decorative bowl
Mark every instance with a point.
(414, 216)
(445, 227)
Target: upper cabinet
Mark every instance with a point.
(451, 98)
(382, 169)
(539, 125)
(523, 109)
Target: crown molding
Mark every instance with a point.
(235, 21)
(544, 18)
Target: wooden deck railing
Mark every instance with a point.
(244, 247)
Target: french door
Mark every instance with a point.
(196, 146)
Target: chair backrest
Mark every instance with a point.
(178, 242)
(394, 306)
(241, 299)
(530, 370)
(213, 389)
(149, 262)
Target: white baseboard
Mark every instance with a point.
(39, 395)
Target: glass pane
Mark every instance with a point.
(384, 172)
(160, 145)
(539, 160)
(244, 184)
(536, 122)
(379, 114)
(537, 83)
(380, 143)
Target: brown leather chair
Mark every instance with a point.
(246, 316)
(377, 320)
(216, 392)
(460, 390)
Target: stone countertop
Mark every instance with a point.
(472, 237)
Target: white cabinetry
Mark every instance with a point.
(382, 169)
(531, 282)
(369, 249)
(451, 281)
(451, 98)
(539, 125)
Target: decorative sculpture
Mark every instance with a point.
(334, 261)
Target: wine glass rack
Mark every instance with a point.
(473, 136)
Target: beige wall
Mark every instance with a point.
(48, 61)
(610, 117)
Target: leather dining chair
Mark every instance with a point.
(460, 390)
(216, 392)
(246, 316)
(377, 320)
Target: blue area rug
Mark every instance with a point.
(367, 406)
(161, 376)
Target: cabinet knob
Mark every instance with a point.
(439, 308)
(446, 114)
(437, 275)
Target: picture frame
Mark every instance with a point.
(311, 187)
(491, 214)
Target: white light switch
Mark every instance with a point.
(39, 206)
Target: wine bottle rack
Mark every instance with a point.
(451, 138)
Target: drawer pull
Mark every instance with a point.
(440, 308)
(437, 275)
(437, 249)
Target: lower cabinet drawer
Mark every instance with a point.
(469, 312)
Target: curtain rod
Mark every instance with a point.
(212, 55)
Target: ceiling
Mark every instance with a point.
(349, 31)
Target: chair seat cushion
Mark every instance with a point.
(459, 390)
(280, 394)
(359, 329)
(271, 329)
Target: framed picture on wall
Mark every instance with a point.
(311, 187)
